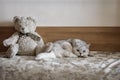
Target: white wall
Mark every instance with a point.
(63, 12)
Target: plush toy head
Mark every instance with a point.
(24, 24)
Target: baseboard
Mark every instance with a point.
(100, 38)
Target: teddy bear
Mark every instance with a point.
(25, 41)
(64, 48)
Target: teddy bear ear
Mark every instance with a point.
(31, 18)
(16, 18)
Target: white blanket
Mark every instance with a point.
(102, 66)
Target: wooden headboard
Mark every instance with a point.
(100, 38)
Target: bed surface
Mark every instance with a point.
(97, 67)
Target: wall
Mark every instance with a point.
(63, 12)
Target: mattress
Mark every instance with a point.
(100, 66)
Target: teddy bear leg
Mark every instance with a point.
(12, 51)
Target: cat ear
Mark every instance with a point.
(88, 45)
(71, 41)
(16, 19)
(74, 42)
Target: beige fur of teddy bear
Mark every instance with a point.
(25, 41)
(64, 48)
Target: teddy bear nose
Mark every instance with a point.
(22, 28)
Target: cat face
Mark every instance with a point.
(80, 48)
(81, 51)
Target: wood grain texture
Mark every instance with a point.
(100, 38)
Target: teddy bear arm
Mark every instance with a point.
(11, 40)
(35, 36)
(40, 43)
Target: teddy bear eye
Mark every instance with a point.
(78, 50)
